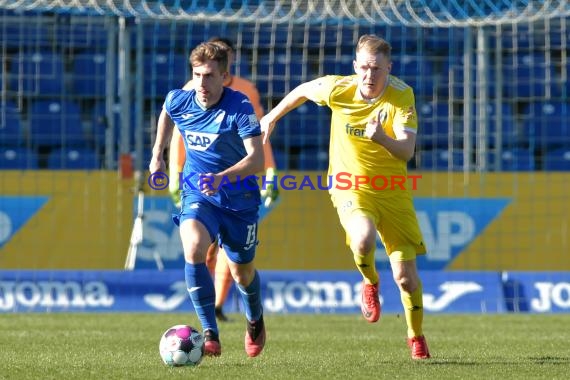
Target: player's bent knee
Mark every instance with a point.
(363, 246)
(244, 274)
(406, 283)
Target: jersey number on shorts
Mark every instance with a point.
(250, 241)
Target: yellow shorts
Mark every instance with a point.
(395, 220)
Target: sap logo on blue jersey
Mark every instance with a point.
(199, 140)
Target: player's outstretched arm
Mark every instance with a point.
(163, 135)
(291, 101)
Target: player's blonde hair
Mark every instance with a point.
(210, 51)
(374, 44)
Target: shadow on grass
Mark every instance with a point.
(542, 360)
(550, 359)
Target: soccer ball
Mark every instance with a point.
(181, 345)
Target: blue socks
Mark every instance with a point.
(202, 293)
(251, 296)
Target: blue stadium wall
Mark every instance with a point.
(283, 292)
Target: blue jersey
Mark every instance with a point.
(213, 139)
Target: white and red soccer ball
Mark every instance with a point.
(181, 345)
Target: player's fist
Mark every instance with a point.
(374, 130)
(267, 124)
(271, 191)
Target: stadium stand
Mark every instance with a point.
(54, 124)
(89, 74)
(441, 160)
(18, 158)
(518, 159)
(73, 159)
(557, 160)
(39, 73)
(11, 131)
(546, 124)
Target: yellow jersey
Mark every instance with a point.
(350, 152)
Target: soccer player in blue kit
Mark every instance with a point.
(220, 195)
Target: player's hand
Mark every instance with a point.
(271, 191)
(208, 183)
(157, 164)
(374, 130)
(267, 125)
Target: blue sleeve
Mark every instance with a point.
(248, 125)
(170, 101)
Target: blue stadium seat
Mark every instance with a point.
(510, 136)
(441, 159)
(242, 65)
(433, 125)
(453, 68)
(54, 123)
(197, 32)
(287, 73)
(19, 33)
(164, 72)
(517, 159)
(525, 76)
(18, 158)
(81, 32)
(416, 71)
(402, 39)
(279, 74)
(409, 66)
(161, 36)
(100, 124)
(516, 38)
(89, 74)
(547, 124)
(557, 160)
(338, 64)
(307, 125)
(73, 159)
(281, 158)
(441, 40)
(11, 133)
(37, 74)
(313, 158)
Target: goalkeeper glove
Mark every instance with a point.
(174, 190)
(271, 191)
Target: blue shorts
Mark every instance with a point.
(236, 231)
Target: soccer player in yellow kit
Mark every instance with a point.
(373, 134)
(216, 259)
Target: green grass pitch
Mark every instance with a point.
(125, 346)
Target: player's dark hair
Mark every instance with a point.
(224, 40)
(209, 51)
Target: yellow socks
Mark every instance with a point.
(414, 309)
(366, 264)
